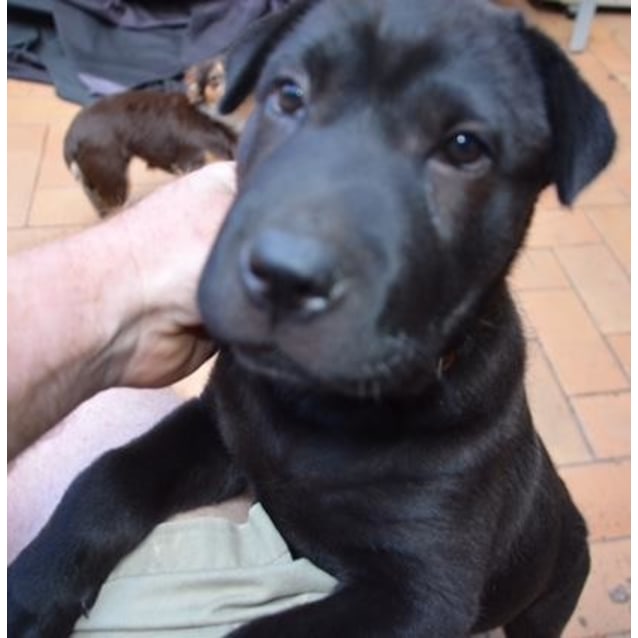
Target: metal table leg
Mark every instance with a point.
(582, 26)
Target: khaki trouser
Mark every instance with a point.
(202, 576)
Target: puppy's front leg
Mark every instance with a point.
(364, 611)
(108, 510)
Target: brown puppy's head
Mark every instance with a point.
(205, 83)
(387, 178)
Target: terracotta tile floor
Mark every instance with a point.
(572, 283)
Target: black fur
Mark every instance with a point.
(369, 386)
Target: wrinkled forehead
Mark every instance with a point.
(469, 49)
(381, 28)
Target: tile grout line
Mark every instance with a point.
(612, 35)
(607, 244)
(618, 360)
(583, 302)
(615, 539)
(43, 145)
(601, 393)
(552, 371)
(616, 460)
(554, 288)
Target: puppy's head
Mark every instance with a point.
(205, 85)
(205, 82)
(386, 181)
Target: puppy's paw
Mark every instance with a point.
(37, 619)
(41, 604)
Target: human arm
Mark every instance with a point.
(111, 306)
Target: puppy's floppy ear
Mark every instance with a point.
(583, 137)
(248, 55)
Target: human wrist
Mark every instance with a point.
(106, 302)
(59, 349)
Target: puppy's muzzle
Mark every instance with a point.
(289, 275)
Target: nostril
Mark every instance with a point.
(295, 283)
(287, 272)
(259, 271)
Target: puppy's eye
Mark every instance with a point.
(288, 98)
(465, 149)
(215, 79)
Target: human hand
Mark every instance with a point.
(157, 333)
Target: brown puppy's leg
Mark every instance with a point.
(103, 175)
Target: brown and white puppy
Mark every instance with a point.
(205, 84)
(164, 129)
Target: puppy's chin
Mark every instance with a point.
(267, 361)
(400, 374)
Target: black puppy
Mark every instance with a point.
(369, 386)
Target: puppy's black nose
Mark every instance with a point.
(289, 274)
